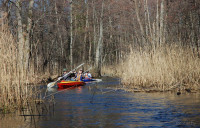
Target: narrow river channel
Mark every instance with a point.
(101, 105)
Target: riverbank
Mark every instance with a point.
(165, 68)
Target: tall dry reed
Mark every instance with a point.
(164, 68)
(14, 93)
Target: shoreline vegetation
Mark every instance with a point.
(15, 91)
(164, 68)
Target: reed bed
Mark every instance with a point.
(166, 67)
(14, 92)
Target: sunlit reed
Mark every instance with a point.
(14, 91)
(166, 67)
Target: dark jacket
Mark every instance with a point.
(68, 77)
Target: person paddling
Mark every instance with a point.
(88, 75)
(79, 76)
(73, 76)
(64, 72)
(63, 77)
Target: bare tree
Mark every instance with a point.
(71, 35)
(100, 41)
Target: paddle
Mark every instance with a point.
(87, 70)
(53, 83)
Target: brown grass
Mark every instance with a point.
(14, 92)
(164, 68)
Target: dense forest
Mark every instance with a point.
(44, 36)
(53, 34)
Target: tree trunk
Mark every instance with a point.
(86, 33)
(23, 37)
(20, 37)
(27, 40)
(94, 26)
(140, 23)
(157, 25)
(149, 22)
(59, 37)
(71, 36)
(99, 45)
(162, 22)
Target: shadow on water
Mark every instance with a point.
(101, 105)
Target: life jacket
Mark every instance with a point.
(86, 75)
(79, 77)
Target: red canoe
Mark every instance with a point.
(67, 84)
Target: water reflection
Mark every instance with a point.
(89, 106)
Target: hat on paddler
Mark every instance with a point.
(64, 69)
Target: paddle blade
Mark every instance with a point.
(98, 80)
(50, 85)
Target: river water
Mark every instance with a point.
(102, 105)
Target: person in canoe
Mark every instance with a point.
(73, 76)
(88, 75)
(79, 76)
(67, 77)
